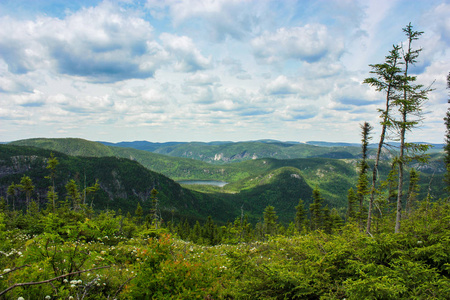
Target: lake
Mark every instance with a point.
(204, 182)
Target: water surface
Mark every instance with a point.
(204, 182)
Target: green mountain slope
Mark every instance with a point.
(226, 152)
(332, 176)
(69, 146)
(123, 183)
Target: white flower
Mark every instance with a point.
(65, 281)
(20, 298)
(6, 270)
(48, 297)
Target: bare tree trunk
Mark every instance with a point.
(400, 177)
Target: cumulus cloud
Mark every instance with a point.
(34, 99)
(220, 18)
(189, 57)
(281, 86)
(309, 43)
(102, 43)
(438, 18)
(202, 79)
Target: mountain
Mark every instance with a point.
(333, 177)
(226, 152)
(123, 182)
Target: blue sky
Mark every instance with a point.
(210, 70)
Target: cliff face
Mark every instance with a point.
(20, 164)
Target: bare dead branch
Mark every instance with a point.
(49, 280)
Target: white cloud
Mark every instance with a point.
(102, 44)
(309, 43)
(189, 58)
(219, 18)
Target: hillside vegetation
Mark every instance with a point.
(332, 176)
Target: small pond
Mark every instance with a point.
(204, 182)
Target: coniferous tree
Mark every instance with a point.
(52, 195)
(139, 213)
(11, 192)
(447, 144)
(51, 165)
(386, 81)
(363, 182)
(3, 205)
(154, 210)
(91, 190)
(73, 194)
(413, 189)
(409, 106)
(26, 185)
(300, 216)
(352, 199)
(315, 209)
(270, 220)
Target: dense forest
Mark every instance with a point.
(96, 224)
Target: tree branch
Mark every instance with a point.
(12, 270)
(48, 280)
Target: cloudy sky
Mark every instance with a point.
(208, 70)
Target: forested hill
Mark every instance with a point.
(226, 152)
(254, 182)
(123, 183)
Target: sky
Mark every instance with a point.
(211, 70)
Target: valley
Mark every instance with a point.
(252, 184)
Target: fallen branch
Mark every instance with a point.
(48, 280)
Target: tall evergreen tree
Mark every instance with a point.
(139, 213)
(51, 166)
(26, 185)
(409, 106)
(73, 194)
(316, 211)
(11, 193)
(363, 182)
(386, 81)
(447, 144)
(300, 216)
(270, 220)
(154, 211)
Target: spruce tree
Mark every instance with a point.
(447, 144)
(300, 215)
(412, 190)
(386, 81)
(11, 192)
(26, 185)
(270, 220)
(363, 182)
(139, 213)
(73, 194)
(352, 199)
(409, 105)
(315, 209)
(154, 211)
